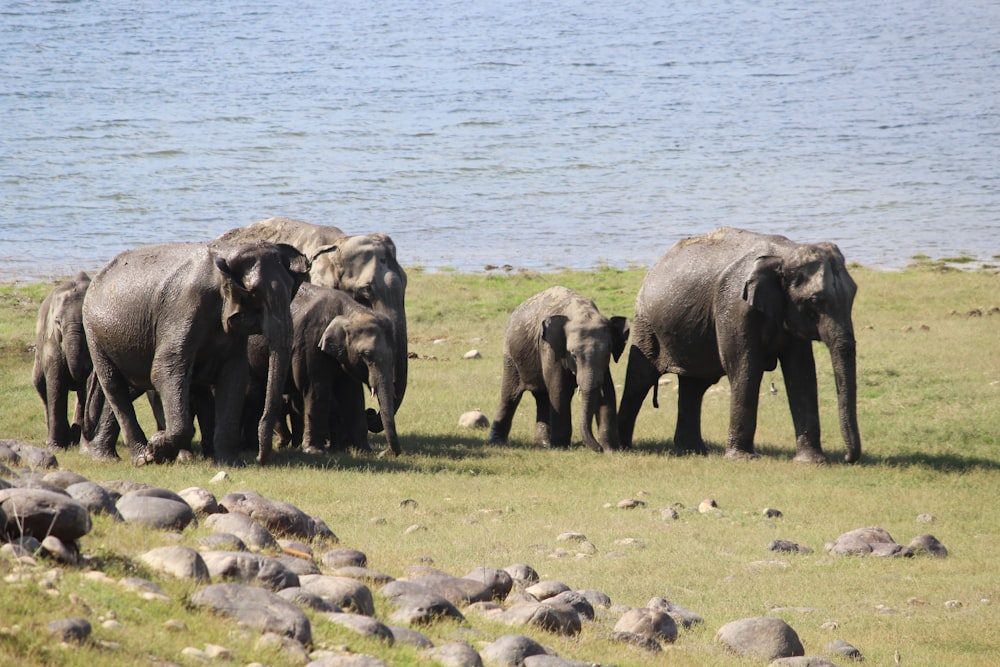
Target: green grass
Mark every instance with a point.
(929, 411)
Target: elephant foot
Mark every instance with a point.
(387, 454)
(185, 456)
(99, 453)
(733, 454)
(682, 448)
(161, 448)
(810, 456)
(310, 449)
(55, 446)
(75, 432)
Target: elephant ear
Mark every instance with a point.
(763, 289)
(236, 317)
(295, 263)
(554, 333)
(334, 339)
(619, 336)
(386, 241)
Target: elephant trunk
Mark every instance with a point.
(278, 362)
(590, 403)
(383, 390)
(843, 354)
(395, 309)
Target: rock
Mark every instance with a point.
(249, 531)
(306, 599)
(545, 660)
(364, 625)
(840, 647)
(63, 478)
(577, 601)
(787, 546)
(669, 514)
(473, 419)
(410, 637)
(94, 497)
(289, 648)
(499, 581)
(221, 476)
(546, 589)
(298, 565)
(200, 500)
(682, 616)
(59, 551)
(347, 660)
(647, 622)
(249, 568)
(454, 654)
(707, 505)
(343, 592)
(456, 590)
(595, 598)
(928, 544)
(278, 517)
(155, 511)
(39, 513)
(571, 537)
(630, 503)
(30, 456)
(367, 575)
(511, 650)
(422, 609)
(802, 661)
(221, 542)
(256, 608)
(522, 572)
(643, 642)
(146, 589)
(552, 616)
(472, 354)
(867, 541)
(761, 637)
(344, 557)
(177, 561)
(75, 630)
(771, 513)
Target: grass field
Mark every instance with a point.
(929, 412)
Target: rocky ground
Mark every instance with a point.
(266, 561)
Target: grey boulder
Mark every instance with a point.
(511, 650)
(762, 637)
(155, 510)
(177, 561)
(39, 513)
(254, 535)
(646, 622)
(249, 568)
(455, 654)
(343, 592)
(256, 608)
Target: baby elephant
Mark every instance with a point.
(62, 360)
(337, 347)
(556, 341)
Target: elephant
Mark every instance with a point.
(733, 302)
(364, 266)
(176, 317)
(338, 345)
(62, 360)
(556, 341)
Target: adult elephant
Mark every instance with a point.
(364, 266)
(62, 360)
(733, 302)
(555, 342)
(175, 318)
(338, 347)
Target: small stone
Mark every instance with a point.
(571, 537)
(221, 476)
(415, 528)
(953, 604)
(925, 518)
(408, 502)
(71, 629)
(630, 504)
(472, 354)
(707, 505)
(771, 513)
(217, 652)
(474, 419)
(669, 514)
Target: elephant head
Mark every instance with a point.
(809, 293)
(365, 267)
(363, 345)
(585, 347)
(258, 284)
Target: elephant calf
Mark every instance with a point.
(62, 360)
(338, 346)
(555, 342)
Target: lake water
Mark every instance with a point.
(534, 133)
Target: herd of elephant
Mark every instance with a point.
(284, 319)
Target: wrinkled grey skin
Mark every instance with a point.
(175, 318)
(364, 266)
(555, 342)
(338, 346)
(736, 303)
(62, 360)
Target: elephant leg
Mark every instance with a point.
(317, 401)
(543, 418)
(296, 421)
(56, 404)
(560, 416)
(607, 416)
(281, 428)
(230, 393)
(204, 410)
(156, 406)
(351, 399)
(799, 369)
(745, 385)
(79, 409)
(510, 395)
(640, 377)
(118, 395)
(687, 434)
